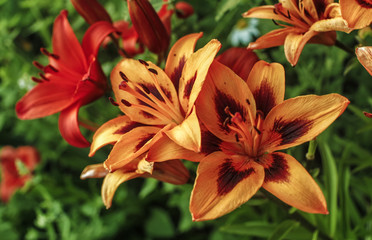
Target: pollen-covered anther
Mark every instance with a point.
(38, 65)
(112, 101)
(143, 62)
(37, 80)
(47, 53)
(153, 71)
(123, 76)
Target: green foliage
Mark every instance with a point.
(56, 204)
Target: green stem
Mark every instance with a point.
(344, 47)
(310, 155)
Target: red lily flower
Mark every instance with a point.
(72, 79)
(11, 178)
(252, 121)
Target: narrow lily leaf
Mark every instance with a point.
(282, 230)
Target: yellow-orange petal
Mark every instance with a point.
(294, 43)
(130, 146)
(111, 131)
(357, 13)
(223, 183)
(165, 149)
(224, 89)
(297, 188)
(187, 134)
(265, 12)
(364, 55)
(144, 78)
(178, 55)
(112, 181)
(274, 38)
(194, 73)
(300, 119)
(333, 24)
(267, 84)
(172, 171)
(94, 171)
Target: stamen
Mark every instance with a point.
(126, 103)
(43, 77)
(47, 53)
(153, 71)
(227, 121)
(258, 131)
(275, 22)
(247, 100)
(143, 62)
(51, 68)
(112, 101)
(36, 80)
(123, 76)
(289, 15)
(236, 137)
(38, 65)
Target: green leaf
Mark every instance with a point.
(257, 229)
(283, 229)
(159, 224)
(225, 6)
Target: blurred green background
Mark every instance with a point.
(56, 204)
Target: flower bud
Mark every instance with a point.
(150, 28)
(91, 10)
(184, 10)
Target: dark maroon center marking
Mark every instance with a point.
(176, 75)
(278, 170)
(144, 140)
(265, 99)
(223, 100)
(209, 142)
(189, 85)
(365, 3)
(229, 177)
(128, 127)
(292, 130)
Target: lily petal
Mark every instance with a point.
(194, 73)
(267, 83)
(294, 43)
(39, 102)
(66, 45)
(145, 80)
(224, 89)
(178, 55)
(172, 171)
(69, 126)
(364, 55)
(165, 149)
(240, 60)
(356, 12)
(111, 131)
(187, 134)
(273, 39)
(288, 180)
(265, 12)
(300, 119)
(94, 36)
(333, 24)
(94, 171)
(223, 183)
(130, 146)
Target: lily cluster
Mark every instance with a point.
(227, 113)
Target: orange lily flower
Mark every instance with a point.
(153, 108)
(357, 13)
(173, 172)
(72, 79)
(308, 21)
(11, 178)
(253, 122)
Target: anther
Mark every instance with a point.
(36, 80)
(38, 65)
(274, 10)
(51, 68)
(289, 15)
(275, 22)
(153, 71)
(126, 103)
(258, 131)
(112, 101)
(236, 137)
(123, 76)
(143, 62)
(47, 53)
(247, 100)
(43, 77)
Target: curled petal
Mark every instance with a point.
(222, 184)
(69, 126)
(94, 171)
(288, 180)
(333, 24)
(294, 43)
(272, 39)
(364, 55)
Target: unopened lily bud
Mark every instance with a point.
(91, 10)
(184, 10)
(150, 28)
